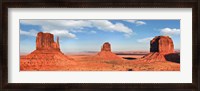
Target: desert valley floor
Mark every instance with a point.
(86, 63)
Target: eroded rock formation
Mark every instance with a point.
(45, 41)
(106, 53)
(47, 53)
(160, 46)
(106, 47)
(46, 47)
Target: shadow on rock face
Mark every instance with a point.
(129, 58)
(173, 57)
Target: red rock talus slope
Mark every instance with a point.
(161, 49)
(47, 53)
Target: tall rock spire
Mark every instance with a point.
(58, 40)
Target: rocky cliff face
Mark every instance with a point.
(162, 44)
(45, 41)
(106, 47)
(161, 48)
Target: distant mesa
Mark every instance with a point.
(161, 48)
(106, 54)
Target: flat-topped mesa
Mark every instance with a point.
(161, 49)
(45, 41)
(162, 44)
(106, 47)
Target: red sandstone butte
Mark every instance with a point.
(161, 49)
(46, 41)
(47, 51)
(106, 53)
(106, 47)
(162, 44)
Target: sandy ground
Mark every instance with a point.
(84, 63)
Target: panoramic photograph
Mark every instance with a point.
(99, 45)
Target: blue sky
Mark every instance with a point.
(89, 35)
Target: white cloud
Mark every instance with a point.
(128, 35)
(93, 32)
(62, 33)
(145, 40)
(68, 27)
(60, 28)
(170, 31)
(140, 23)
(31, 32)
(137, 22)
(58, 24)
(106, 25)
(131, 21)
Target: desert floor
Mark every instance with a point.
(85, 63)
